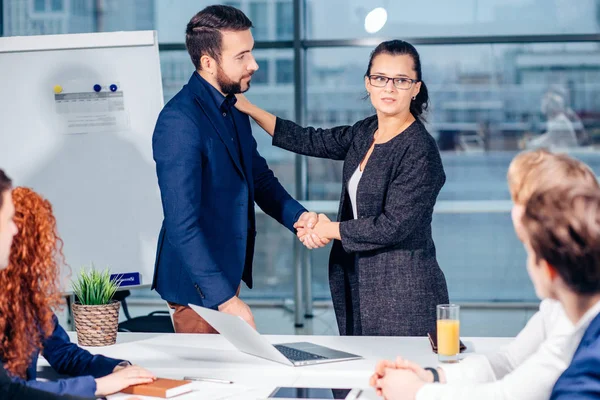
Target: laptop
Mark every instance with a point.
(246, 339)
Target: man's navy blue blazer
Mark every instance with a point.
(206, 242)
(581, 380)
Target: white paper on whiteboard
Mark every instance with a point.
(91, 112)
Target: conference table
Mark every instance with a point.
(212, 356)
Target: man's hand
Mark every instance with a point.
(321, 234)
(235, 306)
(308, 219)
(305, 230)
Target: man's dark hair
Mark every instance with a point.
(203, 32)
(5, 184)
(562, 225)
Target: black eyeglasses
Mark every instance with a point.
(399, 83)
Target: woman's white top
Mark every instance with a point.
(352, 189)
(526, 369)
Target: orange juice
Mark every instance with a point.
(448, 336)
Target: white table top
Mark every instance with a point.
(179, 355)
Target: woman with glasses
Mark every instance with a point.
(383, 272)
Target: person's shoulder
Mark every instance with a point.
(587, 355)
(420, 141)
(366, 123)
(180, 109)
(181, 101)
(421, 131)
(587, 360)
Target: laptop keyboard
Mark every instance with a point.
(297, 355)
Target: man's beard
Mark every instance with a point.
(229, 86)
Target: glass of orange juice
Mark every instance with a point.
(448, 332)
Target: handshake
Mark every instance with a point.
(315, 231)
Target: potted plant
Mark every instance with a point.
(95, 312)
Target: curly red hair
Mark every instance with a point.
(30, 284)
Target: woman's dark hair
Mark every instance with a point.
(203, 32)
(5, 184)
(400, 47)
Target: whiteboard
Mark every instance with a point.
(88, 152)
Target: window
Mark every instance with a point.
(350, 119)
(486, 104)
(80, 8)
(260, 18)
(42, 6)
(285, 71)
(332, 117)
(285, 20)
(235, 4)
(345, 19)
(262, 75)
(39, 5)
(57, 5)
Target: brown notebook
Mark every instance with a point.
(161, 387)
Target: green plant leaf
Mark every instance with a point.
(94, 287)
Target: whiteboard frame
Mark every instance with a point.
(17, 44)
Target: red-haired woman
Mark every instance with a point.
(28, 326)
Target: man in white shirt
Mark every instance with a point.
(531, 364)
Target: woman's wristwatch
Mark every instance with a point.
(434, 372)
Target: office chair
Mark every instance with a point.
(156, 321)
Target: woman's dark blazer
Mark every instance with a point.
(383, 274)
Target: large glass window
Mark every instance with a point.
(39, 5)
(236, 4)
(335, 19)
(488, 102)
(261, 76)
(259, 16)
(349, 19)
(285, 19)
(484, 100)
(56, 5)
(285, 70)
(273, 257)
(173, 15)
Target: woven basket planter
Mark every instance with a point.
(96, 325)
